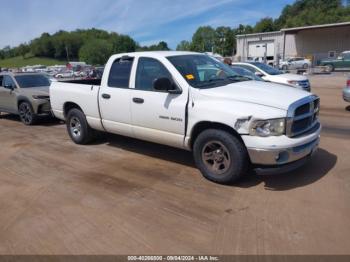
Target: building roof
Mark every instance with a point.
(260, 34)
(297, 29)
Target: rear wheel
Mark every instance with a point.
(26, 114)
(330, 67)
(220, 156)
(305, 66)
(78, 128)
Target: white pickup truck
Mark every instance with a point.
(191, 101)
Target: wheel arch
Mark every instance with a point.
(205, 125)
(69, 106)
(22, 99)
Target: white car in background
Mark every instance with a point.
(295, 63)
(270, 74)
(65, 74)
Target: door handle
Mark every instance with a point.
(106, 96)
(138, 100)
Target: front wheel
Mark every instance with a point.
(284, 68)
(78, 128)
(220, 156)
(26, 114)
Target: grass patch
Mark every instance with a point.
(19, 61)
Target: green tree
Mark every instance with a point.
(313, 12)
(203, 39)
(23, 49)
(96, 52)
(266, 24)
(161, 46)
(122, 43)
(184, 46)
(224, 43)
(243, 29)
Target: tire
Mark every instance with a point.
(26, 114)
(330, 67)
(305, 66)
(284, 68)
(78, 128)
(220, 156)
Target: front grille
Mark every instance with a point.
(304, 83)
(303, 116)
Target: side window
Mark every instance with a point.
(119, 75)
(347, 56)
(251, 69)
(148, 70)
(8, 81)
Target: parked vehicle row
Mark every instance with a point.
(194, 102)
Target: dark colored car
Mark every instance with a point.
(342, 61)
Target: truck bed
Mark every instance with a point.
(82, 93)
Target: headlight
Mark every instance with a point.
(292, 82)
(41, 97)
(271, 127)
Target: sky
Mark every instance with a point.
(146, 21)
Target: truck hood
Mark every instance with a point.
(256, 92)
(42, 90)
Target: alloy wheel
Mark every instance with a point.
(216, 157)
(75, 127)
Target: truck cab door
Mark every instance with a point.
(347, 60)
(157, 116)
(8, 99)
(114, 98)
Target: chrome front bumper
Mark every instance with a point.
(282, 156)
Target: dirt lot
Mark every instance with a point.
(123, 196)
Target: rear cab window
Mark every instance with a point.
(119, 76)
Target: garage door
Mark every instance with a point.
(258, 49)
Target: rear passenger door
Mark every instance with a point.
(157, 115)
(114, 98)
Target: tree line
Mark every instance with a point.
(222, 40)
(92, 45)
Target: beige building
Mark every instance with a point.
(315, 42)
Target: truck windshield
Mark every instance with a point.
(266, 68)
(202, 71)
(27, 81)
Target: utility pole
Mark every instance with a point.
(67, 54)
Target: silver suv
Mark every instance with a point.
(26, 95)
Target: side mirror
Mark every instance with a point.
(259, 74)
(166, 85)
(9, 86)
